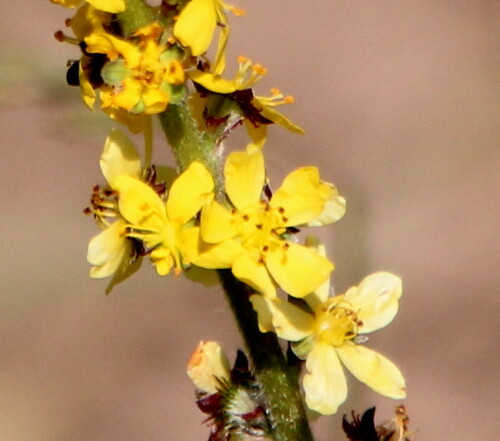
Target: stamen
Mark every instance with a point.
(61, 37)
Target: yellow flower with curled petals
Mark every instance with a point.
(166, 228)
(258, 111)
(195, 28)
(330, 335)
(113, 6)
(111, 252)
(141, 77)
(257, 228)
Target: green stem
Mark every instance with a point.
(279, 381)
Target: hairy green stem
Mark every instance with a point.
(279, 381)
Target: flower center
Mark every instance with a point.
(261, 227)
(337, 322)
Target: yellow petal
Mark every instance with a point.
(325, 384)
(220, 55)
(208, 367)
(86, 89)
(320, 295)
(140, 205)
(334, 210)
(154, 100)
(196, 24)
(108, 250)
(288, 321)
(86, 20)
(258, 135)
(212, 82)
(377, 300)
(162, 259)
(303, 196)
(113, 6)
(212, 256)
(217, 223)
(103, 43)
(129, 95)
(119, 157)
(373, 369)
(254, 274)
(245, 176)
(298, 270)
(188, 193)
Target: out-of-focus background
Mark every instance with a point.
(400, 101)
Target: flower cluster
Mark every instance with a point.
(156, 61)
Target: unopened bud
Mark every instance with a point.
(208, 367)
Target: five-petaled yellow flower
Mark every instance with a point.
(331, 333)
(140, 77)
(111, 252)
(166, 228)
(255, 230)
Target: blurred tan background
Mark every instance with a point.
(400, 100)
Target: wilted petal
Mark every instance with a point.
(373, 369)
(188, 192)
(245, 176)
(325, 384)
(119, 157)
(254, 274)
(298, 270)
(303, 196)
(377, 299)
(288, 321)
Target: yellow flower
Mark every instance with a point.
(111, 252)
(255, 231)
(208, 367)
(259, 111)
(113, 6)
(166, 228)
(331, 334)
(196, 25)
(139, 78)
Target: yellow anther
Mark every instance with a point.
(258, 69)
(236, 11)
(289, 99)
(243, 60)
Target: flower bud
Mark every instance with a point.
(208, 367)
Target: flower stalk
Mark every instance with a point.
(219, 213)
